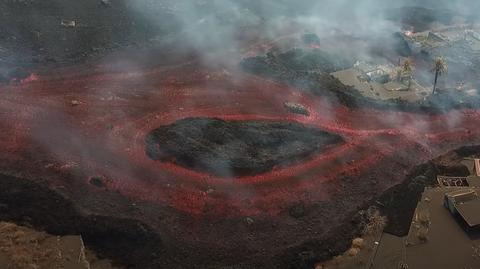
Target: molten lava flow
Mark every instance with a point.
(44, 134)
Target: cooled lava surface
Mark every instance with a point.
(235, 148)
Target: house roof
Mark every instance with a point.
(477, 167)
(467, 204)
(460, 192)
(473, 181)
(470, 211)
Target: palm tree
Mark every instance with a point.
(440, 67)
(407, 70)
(407, 65)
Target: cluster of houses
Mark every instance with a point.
(426, 41)
(444, 231)
(458, 45)
(462, 199)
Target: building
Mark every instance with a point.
(377, 73)
(464, 203)
(476, 167)
(444, 231)
(435, 239)
(381, 81)
(423, 42)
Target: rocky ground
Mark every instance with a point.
(25, 248)
(35, 34)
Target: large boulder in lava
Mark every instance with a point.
(236, 148)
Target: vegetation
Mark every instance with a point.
(422, 234)
(406, 71)
(376, 223)
(440, 67)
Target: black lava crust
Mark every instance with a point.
(236, 148)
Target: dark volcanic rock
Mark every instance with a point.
(236, 148)
(97, 181)
(296, 108)
(32, 34)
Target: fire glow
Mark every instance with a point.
(377, 142)
(408, 33)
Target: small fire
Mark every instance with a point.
(32, 77)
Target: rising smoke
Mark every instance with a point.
(218, 24)
(224, 30)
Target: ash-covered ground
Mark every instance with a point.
(93, 91)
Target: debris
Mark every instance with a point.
(68, 23)
(210, 190)
(296, 108)
(75, 103)
(249, 220)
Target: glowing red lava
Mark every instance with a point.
(44, 134)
